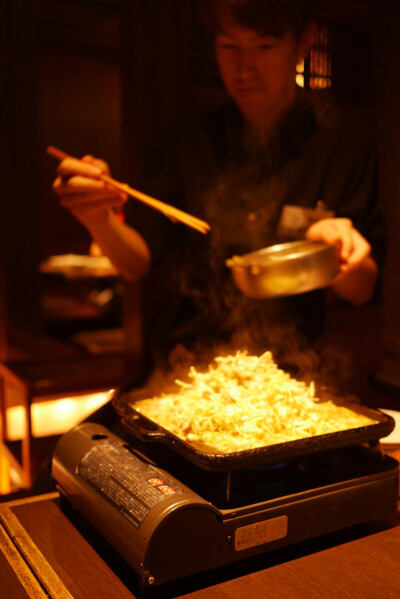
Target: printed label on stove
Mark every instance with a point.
(131, 485)
(260, 533)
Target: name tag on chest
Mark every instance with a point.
(295, 220)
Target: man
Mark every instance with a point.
(244, 168)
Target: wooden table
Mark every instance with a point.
(44, 552)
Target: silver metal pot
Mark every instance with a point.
(285, 269)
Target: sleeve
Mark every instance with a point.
(361, 203)
(159, 179)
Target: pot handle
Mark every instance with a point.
(143, 428)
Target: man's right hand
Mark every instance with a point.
(81, 191)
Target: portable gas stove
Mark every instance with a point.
(170, 518)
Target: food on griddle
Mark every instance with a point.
(243, 402)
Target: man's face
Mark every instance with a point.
(258, 71)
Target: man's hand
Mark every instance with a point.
(353, 248)
(81, 191)
(358, 270)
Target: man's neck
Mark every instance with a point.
(262, 127)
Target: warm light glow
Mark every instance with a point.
(5, 484)
(54, 416)
(300, 80)
(319, 83)
(300, 66)
(320, 60)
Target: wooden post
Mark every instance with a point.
(388, 100)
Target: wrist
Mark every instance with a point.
(357, 285)
(97, 218)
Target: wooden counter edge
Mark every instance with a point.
(24, 556)
(30, 499)
(21, 569)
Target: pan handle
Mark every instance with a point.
(143, 428)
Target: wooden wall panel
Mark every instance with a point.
(79, 109)
(19, 190)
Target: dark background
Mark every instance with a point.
(105, 77)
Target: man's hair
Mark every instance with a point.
(268, 17)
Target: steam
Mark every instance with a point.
(243, 207)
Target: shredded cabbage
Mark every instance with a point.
(243, 402)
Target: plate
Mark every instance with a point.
(73, 266)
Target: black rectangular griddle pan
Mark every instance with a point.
(208, 458)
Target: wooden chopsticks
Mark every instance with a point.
(169, 211)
